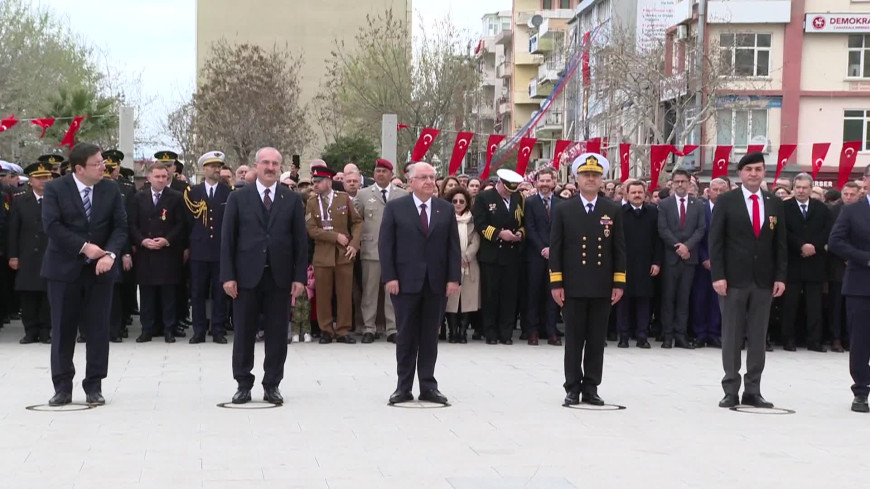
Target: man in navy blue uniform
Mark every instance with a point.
(850, 239)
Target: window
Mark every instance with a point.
(564, 3)
(739, 127)
(547, 4)
(745, 54)
(859, 57)
(856, 127)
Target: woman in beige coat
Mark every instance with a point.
(468, 299)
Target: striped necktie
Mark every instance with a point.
(86, 201)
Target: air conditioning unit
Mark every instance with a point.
(682, 32)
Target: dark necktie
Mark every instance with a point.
(156, 198)
(384, 195)
(210, 193)
(547, 205)
(804, 210)
(267, 201)
(637, 212)
(682, 212)
(424, 220)
(590, 208)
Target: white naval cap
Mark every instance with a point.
(590, 162)
(211, 158)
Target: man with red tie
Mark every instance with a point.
(748, 259)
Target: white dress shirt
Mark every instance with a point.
(210, 189)
(261, 188)
(418, 202)
(587, 202)
(82, 188)
(748, 202)
(686, 203)
(381, 191)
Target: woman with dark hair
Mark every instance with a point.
(459, 306)
(447, 185)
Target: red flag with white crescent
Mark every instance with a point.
(44, 123)
(721, 158)
(69, 139)
(594, 146)
(820, 151)
(687, 149)
(525, 152)
(491, 147)
(559, 152)
(658, 154)
(624, 160)
(785, 152)
(754, 148)
(7, 123)
(424, 142)
(460, 148)
(848, 156)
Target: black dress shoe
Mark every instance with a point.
(768, 347)
(684, 344)
(729, 401)
(668, 344)
(476, 336)
(368, 338)
(506, 342)
(45, 341)
(169, 339)
(219, 339)
(28, 340)
(95, 398)
(571, 399)
(611, 336)
(491, 342)
(272, 395)
(524, 336)
(532, 339)
(623, 343)
(643, 344)
(391, 338)
(348, 339)
(116, 339)
(699, 343)
(715, 343)
(554, 341)
(817, 348)
(789, 346)
(592, 399)
(755, 400)
(325, 339)
(433, 396)
(400, 396)
(60, 399)
(859, 405)
(837, 347)
(179, 332)
(242, 396)
(143, 338)
(196, 339)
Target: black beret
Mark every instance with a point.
(750, 158)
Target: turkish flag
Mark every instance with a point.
(69, 139)
(820, 151)
(525, 152)
(721, 158)
(424, 142)
(559, 152)
(44, 124)
(754, 148)
(491, 147)
(848, 155)
(399, 127)
(594, 146)
(604, 142)
(460, 148)
(7, 123)
(624, 161)
(658, 154)
(785, 152)
(687, 149)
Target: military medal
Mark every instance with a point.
(772, 222)
(163, 215)
(492, 207)
(606, 231)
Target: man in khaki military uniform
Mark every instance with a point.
(370, 203)
(335, 226)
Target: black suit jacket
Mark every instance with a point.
(254, 237)
(205, 230)
(836, 265)
(643, 249)
(813, 230)
(850, 238)
(411, 257)
(538, 225)
(736, 255)
(68, 229)
(690, 235)
(165, 220)
(490, 218)
(27, 241)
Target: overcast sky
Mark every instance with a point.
(156, 40)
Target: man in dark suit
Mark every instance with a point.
(205, 205)
(156, 230)
(27, 242)
(264, 257)
(808, 222)
(706, 318)
(86, 223)
(681, 227)
(418, 246)
(499, 218)
(836, 268)
(748, 259)
(124, 292)
(541, 307)
(644, 255)
(850, 238)
(587, 276)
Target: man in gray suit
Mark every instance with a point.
(681, 227)
(370, 204)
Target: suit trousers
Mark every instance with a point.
(340, 280)
(372, 296)
(35, 314)
(154, 296)
(677, 288)
(204, 284)
(83, 301)
(835, 315)
(585, 333)
(633, 313)
(541, 306)
(857, 312)
(418, 319)
(706, 318)
(116, 314)
(499, 284)
(791, 303)
(745, 315)
(272, 304)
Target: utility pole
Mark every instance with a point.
(701, 52)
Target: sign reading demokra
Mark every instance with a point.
(838, 23)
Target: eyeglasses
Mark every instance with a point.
(425, 177)
(457, 201)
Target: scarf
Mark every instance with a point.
(463, 221)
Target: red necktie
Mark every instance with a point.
(424, 220)
(682, 212)
(756, 216)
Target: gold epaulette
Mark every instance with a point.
(199, 209)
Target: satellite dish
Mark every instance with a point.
(536, 21)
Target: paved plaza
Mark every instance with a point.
(506, 429)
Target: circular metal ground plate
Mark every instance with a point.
(766, 411)
(590, 407)
(68, 408)
(250, 405)
(419, 405)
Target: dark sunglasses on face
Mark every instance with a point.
(457, 201)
